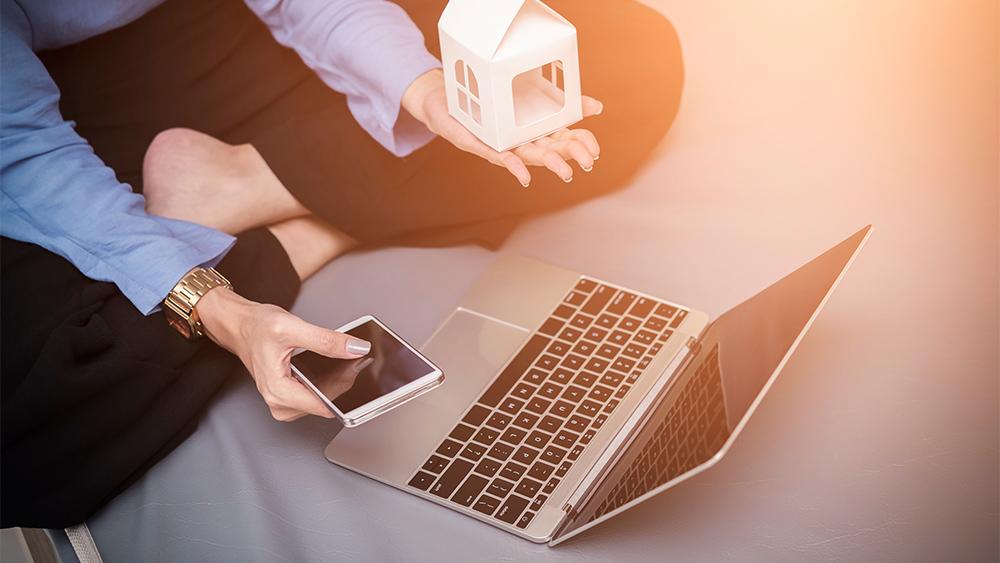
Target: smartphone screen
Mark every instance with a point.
(350, 384)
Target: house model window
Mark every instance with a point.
(511, 69)
(468, 91)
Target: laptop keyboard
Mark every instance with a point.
(525, 431)
(691, 431)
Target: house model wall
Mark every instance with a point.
(511, 69)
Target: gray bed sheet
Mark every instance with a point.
(879, 441)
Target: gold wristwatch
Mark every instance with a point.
(179, 306)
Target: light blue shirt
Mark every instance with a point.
(59, 195)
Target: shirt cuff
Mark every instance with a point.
(170, 269)
(396, 129)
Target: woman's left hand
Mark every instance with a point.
(426, 100)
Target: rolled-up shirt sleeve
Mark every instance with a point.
(58, 194)
(369, 50)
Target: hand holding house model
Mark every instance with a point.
(511, 69)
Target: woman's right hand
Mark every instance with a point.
(264, 337)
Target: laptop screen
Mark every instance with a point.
(706, 405)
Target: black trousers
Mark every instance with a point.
(94, 392)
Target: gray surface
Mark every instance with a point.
(801, 122)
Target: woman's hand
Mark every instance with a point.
(264, 338)
(425, 99)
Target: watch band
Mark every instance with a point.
(179, 306)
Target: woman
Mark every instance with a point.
(222, 126)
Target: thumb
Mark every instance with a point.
(326, 341)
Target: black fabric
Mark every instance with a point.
(93, 391)
(211, 65)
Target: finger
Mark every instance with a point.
(515, 166)
(537, 154)
(577, 151)
(293, 395)
(467, 142)
(586, 137)
(325, 341)
(591, 106)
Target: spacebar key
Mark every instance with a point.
(512, 373)
(451, 478)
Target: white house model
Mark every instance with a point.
(511, 69)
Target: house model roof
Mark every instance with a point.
(501, 27)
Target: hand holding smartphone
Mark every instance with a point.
(360, 389)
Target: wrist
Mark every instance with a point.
(416, 94)
(222, 312)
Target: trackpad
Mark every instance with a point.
(470, 349)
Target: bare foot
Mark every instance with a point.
(192, 176)
(310, 243)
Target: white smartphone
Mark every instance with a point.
(358, 390)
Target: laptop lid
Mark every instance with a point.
(704, 408)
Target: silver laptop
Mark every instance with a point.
(569, 399)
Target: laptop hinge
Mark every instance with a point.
(694, 345)
(569, 510)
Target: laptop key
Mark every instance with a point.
(538, 405)
(573, 361)
(665, 310)
(547, 362)
(570, 334)
(422, 480)
(473, 451)
(681, 315)
(585, 285)
(597, 365)
(513, 471)
(500, 487)
(550, 486)
(538, 502)
(634, 350)
(487, 467)
(449, 448)
(598, 299)
(511, 509)
(563, 469)
(562, 408)
(584, 348)
(451, 478)
(577, 423)
(538, 439)
(642, 308)
(525, 420)
(595, 334)
(621, 303)
(551, 326)
(462, 432)
(540, 471)
(523, 391)
(435, 464)
(618, 337)
(557, 348)
(628, 324)
(587, 436)
(600, 393)
(513, 436)
(561, 376)
(575, 453)
(655, 324)
(645, 337)
(511, 406)
(565, 439)
(563, 312)
(487, 505)
(575, 298)
(469, 490)
(512, 373)
(581, 321)
(500, 451)
(574, 394)
(476, 415)
(549, 424)
(612, 379)
(585, 379)
(589, 408)
(525, 455)
(549, 390)
(606, 321)
(486, 436)
(528, 487)
(498, 421)
(553, 455)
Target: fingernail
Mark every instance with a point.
(568, 181)
(600, 110)
(358, 347)
(597, 157)
(525, 184)
(587, 169)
